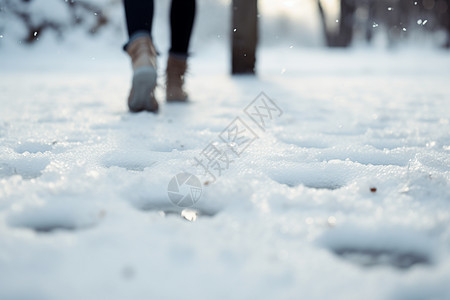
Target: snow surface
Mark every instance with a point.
(345, 196)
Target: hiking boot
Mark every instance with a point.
(176, 69)
(143, 58)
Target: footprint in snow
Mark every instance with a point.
(53, 217)
(132, 161)
(27, 167)
(32, 147)
(167, 209)
(395, 247)
(330, 176)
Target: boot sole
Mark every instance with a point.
(142, 97)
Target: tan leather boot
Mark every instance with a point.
(143, 58)
(176, 69)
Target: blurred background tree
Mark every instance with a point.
(38, 16)
(244, 35)
(356, 19)
(397, 17)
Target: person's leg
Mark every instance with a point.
(139, 17)
(182, 15)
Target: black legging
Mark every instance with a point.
(139, 16)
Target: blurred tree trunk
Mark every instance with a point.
(346, 23)
(371, 12)
(344, 35)
(445, 20)
(323, 20)
(244, 36)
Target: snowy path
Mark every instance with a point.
(84, 212)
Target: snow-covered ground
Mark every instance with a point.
(346, 195)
